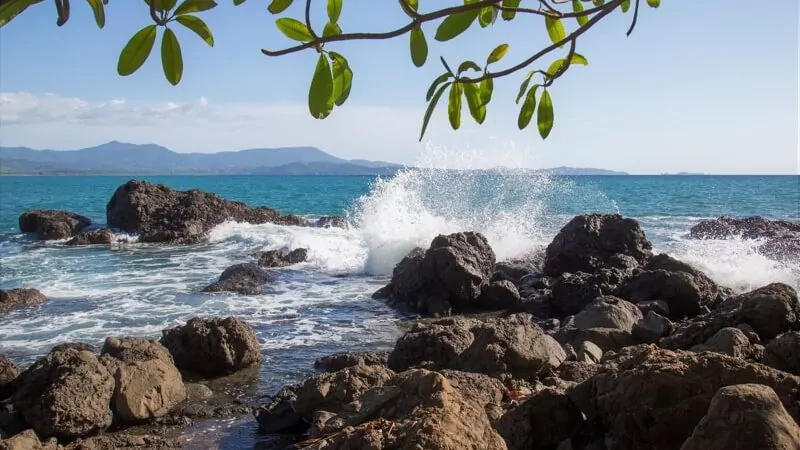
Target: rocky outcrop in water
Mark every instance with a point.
(94, 237)
(280, 258)
(752, 227)
(331, 222)
(20, 297)
(161, 214)
(245, 279)
(52, 224)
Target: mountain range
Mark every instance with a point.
(150, 159)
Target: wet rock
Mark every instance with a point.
(94, 237)
(245, 279)
(648, 397)
(730, 341)
(124, 442)
(652, 328)
(783, 352)
(8, 373)
(212, 347)
(540, 422)
(65, 394)
(782, 248)
(744, 417)
(753, 227)
(331, 222)
(20, 297)
(279, 258)
(506, 347)
(685, 293)
(447, 278)
(339, 361)
(161, 214)
(591, 242)
(52, 224)
(608, 312)
(28, 440)
(499, 295)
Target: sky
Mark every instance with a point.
(700, 86)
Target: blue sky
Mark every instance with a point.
(708, 86)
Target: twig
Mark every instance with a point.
(635, 17)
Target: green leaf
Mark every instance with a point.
(486, 88)
(477, 109)
(320, 94)
(197, 25)
(342, 78)
(163, 5)
(497, 54)
(13, 8)
(509, 15)
(439, 80)
(487, 16)
(454, 105)
(419, 47)
(577, 7)
(524, 86)
(99, 12)
(171, 58)
(456, 24)
(331, 29)
(193, 6)
(294, 29)
(654, 3)
(431, 106)
(599, 2)
(528, 107)
(626, 5)
(238, 2)
(413, 4)
(334, 10)
(545, 117)
(136, 50)
(279, 6)
(557, 64)
(555, 28)
(468, 65)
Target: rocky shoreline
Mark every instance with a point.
(596, 343)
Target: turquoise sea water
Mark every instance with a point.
(324, 305)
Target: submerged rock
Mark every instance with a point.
(245, 279)
(20, 297)
(752, 227)
(331, 222)
(94, 237)
(161, 214)
(278, 258)
(52, 224)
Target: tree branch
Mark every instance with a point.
(635, 17)
(308, 19)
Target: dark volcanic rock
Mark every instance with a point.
(782, 248)
(608, 312)
(447, 278)
(52, 224)
(278, 258)
(591, 242)
(94, 237)
(729, 341)
(571, 293)
(212, 347)
(331, 222)
(684, 292)
(65, 394)
(499, 295)
(17, 298)
(246, 279)
(161, 214)
(753, 227)
(783, 353)
(8, 373)
(540, 422)
(652, 327)
(339, 361)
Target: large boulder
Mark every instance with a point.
(245, 279)
(591, 242)
(652, 328)
(783, 352)
(506, 347)
(608, 312)
(684, 293)
(499, 295)
(280, 258)
(730, 341)
(540, 422)
(212, 347)
(339, 361)
(28, 440)
(66, 394)
(51, 224)
(148, 385)
(752, 227)
(93, 237)
(8, 373)
(159, 213)
(745, 417)
(447, 278)
(648, 397)
(20, 297)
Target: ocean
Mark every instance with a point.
(324, 305)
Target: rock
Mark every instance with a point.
(331, 222)
(783, 353)
(65, 394)
(608, 339)
(730, 341)
(507, 347)
(648, 397)
(51, 224)
(94, 237)
(590, 242)
(770, 310)
(540, 422)
(158, 213)
(608, 312)
(8, 373)
(245, 279)
(447, 278)
(133, 349)
(744, 417)
(477, 387)
(513, 271)
(781, 248)
(753, 227)
(28, 440)
(571, 293)
(124, 442)
(499, 295)
(20, 297)
(277, 258)
(659, 307)
(588, 351)
(212, 347)
(652, 328)
(339, 361)
(685, 293)
(577, 371)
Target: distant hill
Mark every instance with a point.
(581, 171)
(124, 158)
